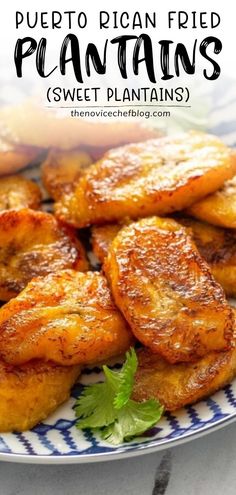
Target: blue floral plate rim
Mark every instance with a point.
(57, 441)
(118, 453)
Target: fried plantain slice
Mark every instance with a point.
(66, 317)
(177, 385)
(34, 243)
(218, 247)
(14, 156)
(154, 177)
(102, 237)
(16, 192)
(166, 291)
(32, 391)
(62, 169)
(32, 125)
(218, 208)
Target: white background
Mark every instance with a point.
(32, 83)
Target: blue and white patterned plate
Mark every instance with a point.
(57, 440)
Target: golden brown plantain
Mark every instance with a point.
(33, 125)
(16, 192)
(154, 177)
(32, 391)
(218, 208)
(218, 247)
(62, 169)
(14, 156)
(102, 237)
(34, 243)
(66, 317)
(177, 385)
(166, 291)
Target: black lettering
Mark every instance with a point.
(19, 55)
(165, 59)
(56, 24)
(215, 16)
(57, 94)
(121, 54)
(92, 53)
(217, 49)
(103, 19)
(183, 19)
(19, 19)
(69, 12)
(35, 20)
(182, 55)
(40, 58)
(122, 23)
(146, 41)
(72, 41)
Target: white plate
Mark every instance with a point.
(58, 441)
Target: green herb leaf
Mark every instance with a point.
(107, 406)
(95, 406)
(126, 376)
(133, 419)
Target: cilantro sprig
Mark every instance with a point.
(107, 407)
